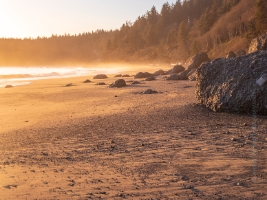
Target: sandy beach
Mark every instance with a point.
(93, 142)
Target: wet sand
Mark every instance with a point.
(94, 142)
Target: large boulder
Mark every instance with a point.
(234, 85)
(259, 43)
(118, 83)
(197, 60)
(100, 76)
(177, 69)
(142, 75)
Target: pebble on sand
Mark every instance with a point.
(8, 86)
(87, 81)
(149, 91)
(101, 83)
(69, 85)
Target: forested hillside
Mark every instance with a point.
(173, 34)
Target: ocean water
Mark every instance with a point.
(16, 76)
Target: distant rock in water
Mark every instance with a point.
(231, 54)
(8, 86)
(118, 83)
(142, 75)
(87, 81)
(234, 85)
(100, 76)
(241, 53)
(101, 83)
(259, 43)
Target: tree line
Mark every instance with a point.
(174, 33)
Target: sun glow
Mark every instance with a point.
(11, 23)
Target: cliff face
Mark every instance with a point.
(232, 85)
(259, 43)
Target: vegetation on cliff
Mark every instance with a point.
(173, 34)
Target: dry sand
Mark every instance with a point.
(94, 142)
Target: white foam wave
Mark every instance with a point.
(25, 75)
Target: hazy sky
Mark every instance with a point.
(32, 18)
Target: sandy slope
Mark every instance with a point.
(82, 142)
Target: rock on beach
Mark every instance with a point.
(143, 75)
(118, 83)
(235, 84)
(100, 76)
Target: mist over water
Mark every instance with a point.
(24, 75)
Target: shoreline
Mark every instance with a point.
(82, 142)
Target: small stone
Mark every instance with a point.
(126, 75)
(149, 91)
(8, 86)
(150, 78)
(136, 82)
(189, 187)
(101, 83)
(69, 85)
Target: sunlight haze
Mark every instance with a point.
(33, 18)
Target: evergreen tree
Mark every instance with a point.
(195, 48)
(172, 38)
(183, 33)
(152, 16)
(151, 36)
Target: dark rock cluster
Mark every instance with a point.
(195, 62)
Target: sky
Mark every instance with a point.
(33, 18)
